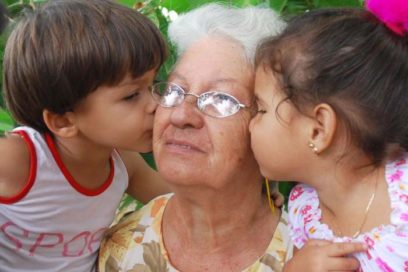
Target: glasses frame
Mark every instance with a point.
(156, 98)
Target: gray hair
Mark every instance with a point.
(247, 26)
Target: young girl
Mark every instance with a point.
(332, 93)
(78, 76)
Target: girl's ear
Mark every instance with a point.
(323, 127)
(62, 125)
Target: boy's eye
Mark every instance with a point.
(131, 96)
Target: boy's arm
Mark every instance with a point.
(323, 256)
(144, 182)
(14, 165)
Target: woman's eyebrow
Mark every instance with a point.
(223, 80)
(177, 75)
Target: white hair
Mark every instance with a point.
(247, 26)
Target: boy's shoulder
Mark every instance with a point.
(14, 164)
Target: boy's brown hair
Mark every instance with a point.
(66, 49)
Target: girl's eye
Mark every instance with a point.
(131, 97)
(259, 109)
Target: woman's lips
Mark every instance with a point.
(183, 146)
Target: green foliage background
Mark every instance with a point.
(154, 10)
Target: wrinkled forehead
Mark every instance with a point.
(215, 63)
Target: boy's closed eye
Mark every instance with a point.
(131, 96)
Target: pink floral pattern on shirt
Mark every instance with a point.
(387, 244)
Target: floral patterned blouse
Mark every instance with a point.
(387, 244)
(136, 244)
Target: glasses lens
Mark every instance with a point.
(218, 104)
(168, 94)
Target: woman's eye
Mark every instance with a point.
(131, 96)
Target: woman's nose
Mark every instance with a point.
(187, 114)
(251, 124)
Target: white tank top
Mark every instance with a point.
(55, 224)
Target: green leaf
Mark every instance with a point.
(285, 187)
(337, 3)
(6, 122)
(129, 3)
(246, 3)
(278, 5)
(148, 157)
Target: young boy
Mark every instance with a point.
(77, 77)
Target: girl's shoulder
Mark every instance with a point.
(396, 175)
(302, 195)
(303, 213)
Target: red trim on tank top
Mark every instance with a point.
(32, 174)
(70, 178)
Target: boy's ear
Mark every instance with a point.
(323, 128)
(62, 125)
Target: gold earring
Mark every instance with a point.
(313, 147)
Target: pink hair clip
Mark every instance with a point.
(393, 13)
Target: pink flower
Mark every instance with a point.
(399, 233)
(383, 265)
(370, 242)
(400, 162)
(308, 218)
(368, 255)
(305, 209)
(296, 192)
(404, 217)
(396, 176)
(404, 198)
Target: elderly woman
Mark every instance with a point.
(218, 219)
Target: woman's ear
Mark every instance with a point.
(323, 128)
(62, 125)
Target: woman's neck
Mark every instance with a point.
(219, 224)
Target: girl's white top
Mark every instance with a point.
(387, 244)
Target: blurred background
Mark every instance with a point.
(161, 12)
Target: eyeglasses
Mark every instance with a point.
(212, 103)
